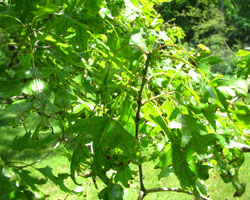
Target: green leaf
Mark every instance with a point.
(88, 57)
(239, 86)
(64, 98)
(81, 37)
(26, 60)
(105, 94)
(108, 151)
(28, 180)
(115, 192)
(210, 60)
(165, 172)
(240, 187)
(165, 157)
(222, 96)
(202, 187)
(18, 108)
(79, 156)
(124, 175)
(47, 9)
(203, 171)
(101, 164)
(127, 114)
(9, 89)
(57, 180)
(186, 176)
(242, 115)
(24, 142)
(104, 132)
(153, 114)
(112, 192)
(210, 113)
(190, 129)
(32, 121)
(102, 44)
(137, 39)
(135, 3)
(103, 194)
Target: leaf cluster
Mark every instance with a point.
(108, 85)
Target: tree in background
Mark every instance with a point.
(237, 17)
(221, 25)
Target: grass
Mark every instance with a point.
(60, 164)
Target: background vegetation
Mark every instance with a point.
(222, 25)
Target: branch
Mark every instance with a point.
(164, 189)
(141, 195)
(174, 58)
(137, 121)
(139, 100)
(243, 147)
(10, 100)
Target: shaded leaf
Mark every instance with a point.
(165, 172)
(210, 60)
(79, 156)
(182, 170)
(124, 175)
(203, 171)
(57, 180)
(240, 86)
(240, 187)
(115, 192)
(112, 145)
(24, 142)
(9, 89)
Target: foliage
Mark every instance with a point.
(111, 85)
(210, 20)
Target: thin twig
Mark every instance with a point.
(66, 197)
